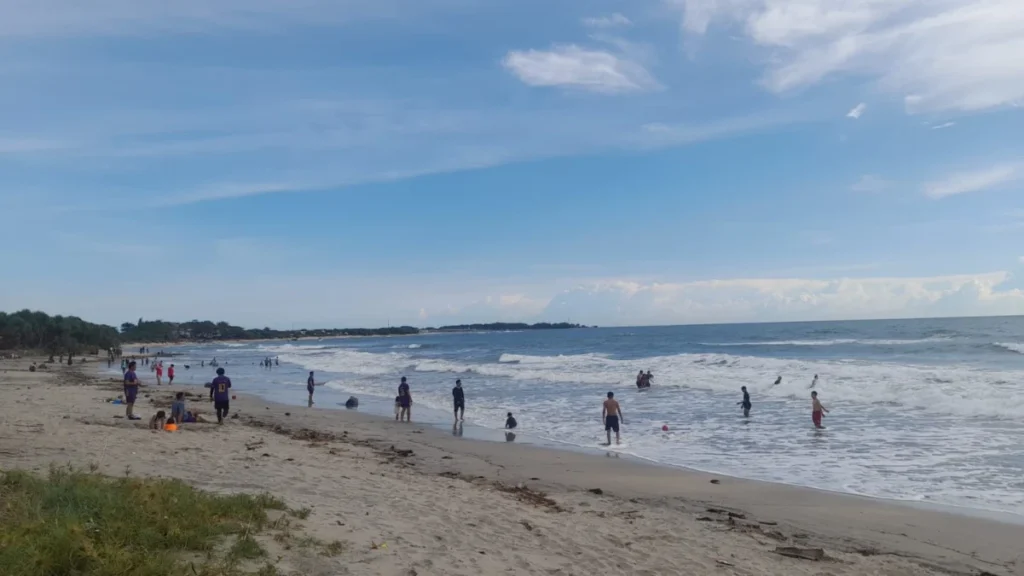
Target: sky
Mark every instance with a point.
(318, 163)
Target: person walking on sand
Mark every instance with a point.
(817, 410)
(745, 403)
(459, 399)
(170, 375)
(405, 401)
(310, 383)
(159, 372)
(611, 415)
(220, 395)
(131, 391)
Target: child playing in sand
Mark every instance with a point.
(171, 425)
(158, 421)
(816, 410)
(510, 422)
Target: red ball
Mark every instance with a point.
(664, 428)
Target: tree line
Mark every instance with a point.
(199, 330)
(64, 335)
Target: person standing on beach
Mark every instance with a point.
(611, 414)
(170, 375)
(220, 394)
(459, 399)
(817, 410)
(310, 383)
(745, 403)
(131, 391)
(159, 372)
(405, 401)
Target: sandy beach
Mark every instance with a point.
(410, 500)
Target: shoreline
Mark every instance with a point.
(450, 505)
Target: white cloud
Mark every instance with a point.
(870, 184)
(751, 300)
(615, 20)
(944, 126)
(938, 54)
(975, 181)
(575, 67)
(857, 111)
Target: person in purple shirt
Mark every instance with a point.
(131, 391)
(405, 401)
(220, 394)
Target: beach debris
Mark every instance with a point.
(716, 510)
(723, 563)
(32, 368)
(253, 445)
(705, 519)
(526, 525)
(528, 496)
(597, 491)
(737, 515)
(814, 554)
(381, 546)
(716, 481)
(287, 413)
(768, 522)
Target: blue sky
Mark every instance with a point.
(341, 162)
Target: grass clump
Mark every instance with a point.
(72, 523)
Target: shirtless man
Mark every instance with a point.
(816, 410)
(611, 415)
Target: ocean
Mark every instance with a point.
(921, 410)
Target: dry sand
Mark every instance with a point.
(454, 506)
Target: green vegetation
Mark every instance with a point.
(503, 326)
(81, 524)
(162, 331)
(27, 330)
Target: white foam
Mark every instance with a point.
(833, 342)
(1011, 346)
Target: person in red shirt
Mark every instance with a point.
(170, 375)
(159, 372)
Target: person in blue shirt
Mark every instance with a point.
(220, 394)
(131, 391)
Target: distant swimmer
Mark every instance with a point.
(510, 422)
(310, 383)
(817, 410)
(814, 382)
(459, 400)
(745, 403)
(611, 414)
(640, 379)
(778, 381)
(648, 379)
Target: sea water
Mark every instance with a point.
(922, 410)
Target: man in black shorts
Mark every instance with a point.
(220, 393)
(459, 397)
(611, 414)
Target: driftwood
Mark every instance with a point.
(802, 553)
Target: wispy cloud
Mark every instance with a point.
(944, 126)
(615, 20)
(570, 66)
(975, 181)
(61, 18)
(857, 111)
(950, 55)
